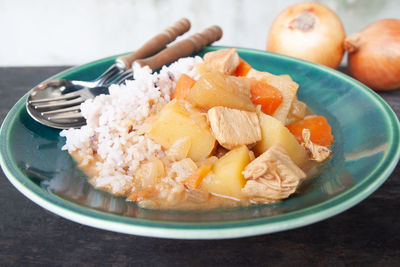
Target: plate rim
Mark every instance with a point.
(209, 230)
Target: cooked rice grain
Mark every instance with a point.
(109, 137)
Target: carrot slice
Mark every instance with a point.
(242, 69)
(265, 95)
(183, 86)
(320, 130)
(194, 180)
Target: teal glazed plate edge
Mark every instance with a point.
(358, 167)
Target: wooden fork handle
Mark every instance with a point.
(184, 48)
(157, 43)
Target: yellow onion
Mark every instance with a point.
(309, 31)
(374, 55)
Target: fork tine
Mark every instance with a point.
(55, 111)
(60, 103)
(61, 97)
(65, 116)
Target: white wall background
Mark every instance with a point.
(71, 32)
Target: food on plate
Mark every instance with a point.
(374, 54)
(226, 178)
(318, 152)
(318, 126)
(217, 89)
(286, 87)
(200, 134)
(274, 132)
(234, 127)
(309, 31)
(272, 176)
(176, 121)
(183, 86)
(224, 61)
(265, 95)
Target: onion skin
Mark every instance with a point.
(320, 41)
(374, 55)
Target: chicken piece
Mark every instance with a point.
(319, 153)
(272, 176)
(224, 60)
(233, 127)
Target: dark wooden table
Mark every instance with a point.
(367, 234)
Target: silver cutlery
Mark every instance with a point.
(62, 111)
(123, 63)
(59, 87)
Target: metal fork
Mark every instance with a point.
(67, 106)
(63, 111)
(123, 63)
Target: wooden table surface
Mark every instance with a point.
(367, 234)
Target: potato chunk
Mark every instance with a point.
(224, 60)
(233, 127)
(226, 178)
(215, 89)
(287, 87)
(274, 132)
(175, 122)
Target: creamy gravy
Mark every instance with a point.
(186, 199)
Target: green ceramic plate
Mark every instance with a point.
(366, 150)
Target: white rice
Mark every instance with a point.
(112, 120)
